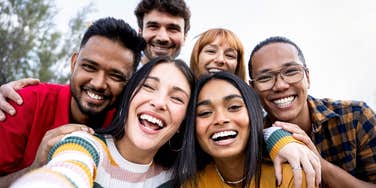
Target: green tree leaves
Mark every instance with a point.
(30, 44)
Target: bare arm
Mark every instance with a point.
(333, 175)
(8, 91)
(338, 178)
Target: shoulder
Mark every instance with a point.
(348, 110)
(208, 177)
(268, 178)
(339, 106)
(43, 89)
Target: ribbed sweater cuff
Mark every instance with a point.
(277, 140)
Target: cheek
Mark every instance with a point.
(232, 66)
(200, 130)
(138, 99)
(178, 39)
(305, 84)
(116, 88)
(147, 35)
(262, 95)
(243, 122)
(178, 113)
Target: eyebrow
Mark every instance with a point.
(283, 66)
(226, 98)
(117, 71)
(152, 23)
(175, 88)
(173, 25)
(89, 61)
(229, 97)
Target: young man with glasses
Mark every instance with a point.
(341, 133)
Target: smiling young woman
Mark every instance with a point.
(224, 143)
(133, 151)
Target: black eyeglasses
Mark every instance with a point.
(290, 74)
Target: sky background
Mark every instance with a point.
(337, 37)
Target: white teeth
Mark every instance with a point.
(214, 70)
(94, 96)
(223, 134)
(152, 120)
(284, 101)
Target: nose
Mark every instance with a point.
(220, 118)
(98, 81)
(159, 102)
(162, 34)
(279, 83)
(220, 59)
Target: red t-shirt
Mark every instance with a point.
(45, 107)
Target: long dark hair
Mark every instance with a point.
(193, 159)
(165, 155)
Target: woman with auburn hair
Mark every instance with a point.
(218, 50)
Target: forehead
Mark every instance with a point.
(222, 89)
(220, 39)
(107, 53)
(275, 55)
(169, 74)
(163, 18)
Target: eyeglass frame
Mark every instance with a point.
(303, 69)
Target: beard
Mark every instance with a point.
(150, 55)
(91, 110)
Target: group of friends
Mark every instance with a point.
(135, 116)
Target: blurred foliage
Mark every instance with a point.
(31, 45)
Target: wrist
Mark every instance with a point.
(276, 139)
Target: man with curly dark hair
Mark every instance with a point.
(164, 25)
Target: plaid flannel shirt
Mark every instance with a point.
(344, 133)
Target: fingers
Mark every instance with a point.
(278, 171)
(5, 107)
(2, 116)
(18, 84)
(8, 91)
(307, 141)
(309, 171)
(297, 172)
(52, 137)
(293, 128)
(301, 158)
(317, 167)
(69, 128)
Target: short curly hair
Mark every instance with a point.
(174, 7)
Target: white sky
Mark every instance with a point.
(337, 37)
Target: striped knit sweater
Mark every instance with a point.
(83, 160)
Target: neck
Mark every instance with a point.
(76, 116)
(231, 171)
(144, 60)
(303, 119)
(132, 153)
